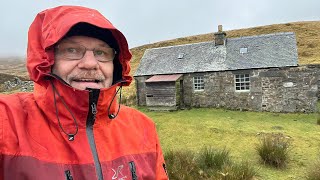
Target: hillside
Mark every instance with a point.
(15, 66)
(307, 34)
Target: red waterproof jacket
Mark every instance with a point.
(34, 127)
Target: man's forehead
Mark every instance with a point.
(89, 30)
(84, 40)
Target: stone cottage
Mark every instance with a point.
(258, 73)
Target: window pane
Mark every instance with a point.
(242, 82)
(198, 83)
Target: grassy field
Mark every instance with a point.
(239, 132)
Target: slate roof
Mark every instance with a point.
(263, 51)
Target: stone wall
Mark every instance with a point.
(219, 91)
(288, 89)
(291, 89)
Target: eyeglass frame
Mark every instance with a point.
(84, 52)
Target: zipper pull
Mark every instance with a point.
(70, 137)
(133, 170)
(68, 175)
(94, 110)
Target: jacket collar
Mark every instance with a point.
(57, 98)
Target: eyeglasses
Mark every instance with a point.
(74, 51)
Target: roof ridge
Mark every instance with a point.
(242, 37)
(263, 35)
(182, 45)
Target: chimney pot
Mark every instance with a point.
(219, 28)
(220, 37)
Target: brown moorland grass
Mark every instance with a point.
(15, 66)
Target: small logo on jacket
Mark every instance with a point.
(118, 174)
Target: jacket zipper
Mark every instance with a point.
(133, 170)
(93, 99)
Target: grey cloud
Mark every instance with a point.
(148, 21)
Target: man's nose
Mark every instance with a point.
(88, 61)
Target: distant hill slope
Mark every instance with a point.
(15, 66)
(307, 34)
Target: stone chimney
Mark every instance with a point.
(220, 37)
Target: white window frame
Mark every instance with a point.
(242, 82)
(198, 83)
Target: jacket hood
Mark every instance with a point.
(51, 25)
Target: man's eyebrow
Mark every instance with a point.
(104, 44)
(68, 41)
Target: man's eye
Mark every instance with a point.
(100, 53)
(71, 50)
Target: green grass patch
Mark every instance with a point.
(211, 159)
(181, 165)
(239, 132)
(314, 171)
(209, 163)
(273, 149)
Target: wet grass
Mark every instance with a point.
(239, 132)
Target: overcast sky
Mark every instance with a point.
(149, 21)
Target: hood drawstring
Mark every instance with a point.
(70, 135)
(110, 115)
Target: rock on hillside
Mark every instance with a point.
(10, 83)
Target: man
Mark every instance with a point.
(71, 126)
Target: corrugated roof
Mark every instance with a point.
(164, 78)
(263, 51)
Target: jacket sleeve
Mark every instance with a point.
(161, 171)
(2, 114)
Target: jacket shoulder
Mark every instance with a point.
(14, 101)
(12, 105)
(12, 108)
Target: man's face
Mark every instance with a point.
(93, 70)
